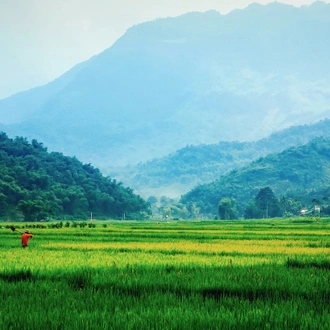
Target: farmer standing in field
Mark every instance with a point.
(25, 238)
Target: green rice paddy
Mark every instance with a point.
(270, 274)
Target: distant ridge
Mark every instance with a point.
(190, 166)
(195, 79)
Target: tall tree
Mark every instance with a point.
(227, 209)
(268, 203)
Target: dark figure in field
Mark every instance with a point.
(25, 238)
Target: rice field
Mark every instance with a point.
(269, 274)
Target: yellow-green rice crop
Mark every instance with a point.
(177, 275)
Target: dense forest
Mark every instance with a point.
(38, 185)
(279, 184)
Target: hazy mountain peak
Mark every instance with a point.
(196, 78)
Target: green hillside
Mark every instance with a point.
(188, 167)
(36, 185)
(299, 177)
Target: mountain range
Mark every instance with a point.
(188, 167)
(199, 78)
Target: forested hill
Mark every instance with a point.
(297, 176)
(190, 166)
(36, 185)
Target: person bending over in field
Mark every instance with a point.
(25, 238)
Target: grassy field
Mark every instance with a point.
(270, 274)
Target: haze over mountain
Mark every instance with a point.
(197, 78)
(186, 168)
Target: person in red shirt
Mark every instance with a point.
(25, 238)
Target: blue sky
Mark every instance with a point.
(42, 39)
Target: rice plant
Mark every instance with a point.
(180, 275)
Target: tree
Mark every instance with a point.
(267, 202)
(252, 211)
(152, 200)
(194, 211)
(34, 210)
(227, 209)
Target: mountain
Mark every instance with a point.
(298, 174)
(36, 185)
(181, 171)
(193, 79)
